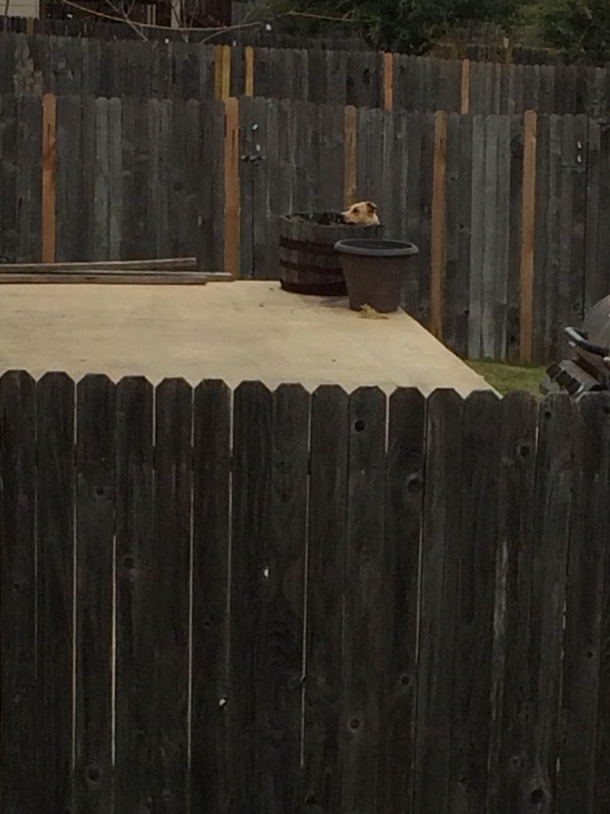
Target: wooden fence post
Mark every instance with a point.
(528, 237)
(439, 224)
(350, 146)
(465, 89)
(388, 81)
(222, 75)
(49, 167)
(249, 71)
(231, 168)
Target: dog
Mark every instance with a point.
(363, 213)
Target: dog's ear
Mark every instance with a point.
(372, 208)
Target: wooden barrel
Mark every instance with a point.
(309, 263)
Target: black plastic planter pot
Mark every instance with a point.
(375, 272)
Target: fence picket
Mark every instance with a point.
(21, 725)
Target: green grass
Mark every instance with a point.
(505, 377)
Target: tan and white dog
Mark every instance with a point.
(363, 213)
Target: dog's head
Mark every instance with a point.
(363, 213)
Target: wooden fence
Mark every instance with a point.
(479, 44)
(178, 70)
(281, 602)
(511, 214)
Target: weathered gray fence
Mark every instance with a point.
(178, 70)
(284, 602)
(511, 220)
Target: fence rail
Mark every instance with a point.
(178, 70)
(332, 609)
(510, 213)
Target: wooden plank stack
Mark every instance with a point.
(178, 271)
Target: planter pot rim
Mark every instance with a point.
(370, 247)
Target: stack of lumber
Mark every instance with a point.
(172, 271)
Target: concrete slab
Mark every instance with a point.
(233, 331)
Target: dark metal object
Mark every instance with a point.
(588, 370)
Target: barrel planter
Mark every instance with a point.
(309, 263)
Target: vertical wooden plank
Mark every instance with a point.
(8, 179)
(512, 678)
(101, 207)
(211, 200)
(165, 113)
(170, 576)
(438, 248)
(388, 81)
(251, 486)
(579, 219)
(29, 179)
(350, 140)
(135, 599)
(474, 635)
(19, 724)
(249, 71)
(190, 243)
(364, 663)
(337, 78)
(477, 243)
(115, 180)
(331, 157)
(279, 157)
(528, 235)
(370, 154)
(232, 187)
(543, 282)
(603, 257)
(325, 591)
(49, 169)
(459, 205)
(180, 167)
(438, 597)
(265, 259)
(490, 247)
(514, 264)
(465, 87)
(71, 243)
(210, 755)
(502, 238)
(583, 612)
(602, 763)
(555, 481)
(449, 93)
(207, 72)
(403, 521)
(393, 174)
(280, 673)
(554, 293)
(262, 86)
(413, 213)
(244, 155)
(94, 521)
(566, 222)
(595, 285)
(223, 72)
(55, 485)
(425, 206)
(134, 160)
